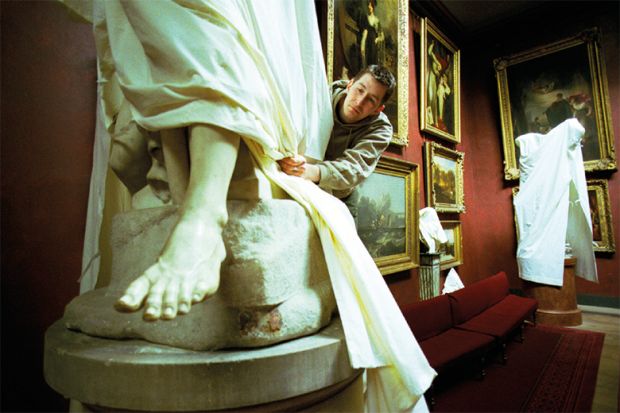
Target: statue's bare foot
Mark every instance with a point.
(187, 272)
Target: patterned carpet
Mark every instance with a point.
(553, 370)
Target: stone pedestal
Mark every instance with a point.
(557, 306)
(429, 275)
(310, 374)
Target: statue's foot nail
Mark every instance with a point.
(183, 308)
(151, 313)
(197, 297)
(125, 300)
(168, 312)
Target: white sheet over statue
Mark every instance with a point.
(552, 205)
(255, 68)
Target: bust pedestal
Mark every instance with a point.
(429, 275)
(557, 305)
(309, 374)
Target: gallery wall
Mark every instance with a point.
(488, 228)
(488, 225)
(47, 127)
(48, 101)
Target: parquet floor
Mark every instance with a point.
(608, 379)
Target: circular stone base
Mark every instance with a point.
(137, 375)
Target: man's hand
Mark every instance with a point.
(297, 166)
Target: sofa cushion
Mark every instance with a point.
(451, 345)
(472, 300)
(502, 318)
(428, 318)
(515, 306)
(496, 287)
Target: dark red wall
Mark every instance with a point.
(488, 225)
(47, 129)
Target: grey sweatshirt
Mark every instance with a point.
(353, 149)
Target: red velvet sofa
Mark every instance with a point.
(468, 322)
(487, 307)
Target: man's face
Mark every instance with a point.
(363, 99)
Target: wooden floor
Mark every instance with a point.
(608, 379)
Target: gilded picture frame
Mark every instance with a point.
(440, 80)
(359, 34)
(540, 87)
(600, 212)
(451, 252)
(444, 178)
(385, 210)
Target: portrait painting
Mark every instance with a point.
(444, 178)
(451, 252)
(440, 84)
(600, 213)
(365, 32)
(541, 88)
(384, 208)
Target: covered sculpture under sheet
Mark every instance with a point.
(552, 205)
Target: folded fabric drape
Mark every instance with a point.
(552, 205)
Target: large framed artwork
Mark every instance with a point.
(600, 212)
(451, 252)
(440, 73)
(385, 209)
(541, 87)
(444, 178)
(364, 32)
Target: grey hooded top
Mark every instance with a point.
(353, 149)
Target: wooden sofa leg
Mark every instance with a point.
(482, 372)
(504, 355)
(430, 397)
(521, 329)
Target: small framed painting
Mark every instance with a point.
(365, 32)
(542, 87)
(385, 210)
(444, 178)
(600, 212)
(440, 73)
(452, 250)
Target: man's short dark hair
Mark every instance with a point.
(381, 75)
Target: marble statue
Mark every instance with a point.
(215, 97)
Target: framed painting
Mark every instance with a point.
(451, 252)
(600, 212)
(440, 73)
(385, 209)
(444, 178)
(541, 87)
(365, 32)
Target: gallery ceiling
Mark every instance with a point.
(470, 16)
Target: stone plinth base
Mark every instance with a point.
(557, 306)
(429, 275)
(310, 374)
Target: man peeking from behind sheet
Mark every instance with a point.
(360, 134)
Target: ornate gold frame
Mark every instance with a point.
(410, 257)
(429, 29)
(607, 243)
(445, 261)
(600, 99)
(433, 150)
(401, 120)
